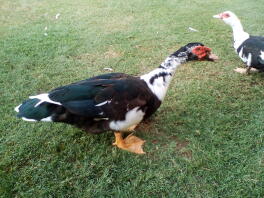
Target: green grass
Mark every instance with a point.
(207, 138)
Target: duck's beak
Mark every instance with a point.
(212, 57)
(218, 16)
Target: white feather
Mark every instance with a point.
(239, 37)
(17, 108)
(103, 103)
(239, 34)
(244, 59)
(99, 119)
(108, 68)
(133, 117)
(262, 55)
(192, 29)
(47, 119)
(29, 120)
(57, 16)
(159, 87)
(43, 98)
(249, 59)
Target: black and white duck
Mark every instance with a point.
(115, 102)
(249, 48)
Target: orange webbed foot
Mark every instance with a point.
(131, 143)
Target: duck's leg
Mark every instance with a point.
(248, 70)
(253, 70)
(131, 143)
(241, 70)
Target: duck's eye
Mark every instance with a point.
(225, 15)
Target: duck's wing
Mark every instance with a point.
(251, 52)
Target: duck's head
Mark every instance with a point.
(195, 51)
(228, 17)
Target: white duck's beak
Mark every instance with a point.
(218, 16)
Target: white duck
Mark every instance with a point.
(249, 48)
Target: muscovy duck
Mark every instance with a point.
(249, 48)
(111, 102)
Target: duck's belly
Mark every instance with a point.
(132, 118)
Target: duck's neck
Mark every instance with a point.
(158, 80)
(238, 33)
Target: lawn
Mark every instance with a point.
(207, 138)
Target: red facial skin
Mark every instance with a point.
(224, 15)
(201, 52)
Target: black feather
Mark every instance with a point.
(86, 108)
(84, 105)
(253, 45)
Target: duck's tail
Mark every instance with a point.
(37, 108)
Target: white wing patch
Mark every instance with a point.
(29, 120)
(262, 55)
(249, 59)
(99, 119)
(17, 108)
(243, 58)
(133, 117)
(47, 119)
(103, 103)
(43, 98)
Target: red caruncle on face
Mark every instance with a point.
(201, 52)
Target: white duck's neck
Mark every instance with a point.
(158, 80)
(238, 33)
